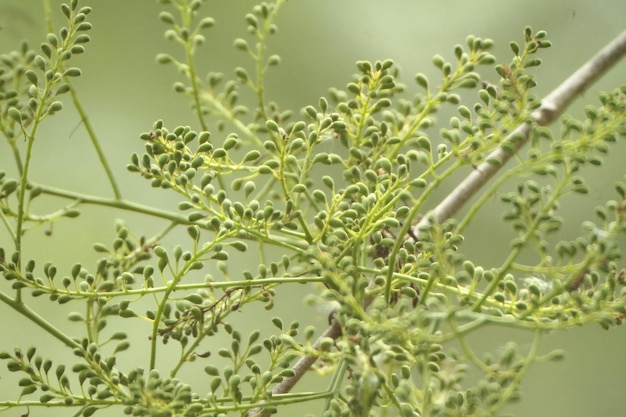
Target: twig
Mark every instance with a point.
(333, 331)
(552, 106)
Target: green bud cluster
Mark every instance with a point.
(32, 83)
(328, 197)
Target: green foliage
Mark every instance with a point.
(328, 196)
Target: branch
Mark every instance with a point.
(333, 331)
(552, 106)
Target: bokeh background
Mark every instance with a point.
(124, 91)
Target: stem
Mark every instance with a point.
(115, 203)
(30, 140)
(303, 365)
(95, 142)
(187, 16)
(38, 320)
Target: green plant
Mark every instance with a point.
(339, 196)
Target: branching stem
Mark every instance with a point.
(551, 108)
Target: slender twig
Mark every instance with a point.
(24, 310)
(304, 364)
(113, 202)
(95, 142)
(552, 106)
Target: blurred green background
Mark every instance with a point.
(124, 91)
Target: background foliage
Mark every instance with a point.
(121, 60)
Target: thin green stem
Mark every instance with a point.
(517, 250)
(228, 115)
(108, 202)
(21, 212)
(48, 16)
(38, 320)
(408, 224)
(95, 142)
(187, 15)
(7, 225)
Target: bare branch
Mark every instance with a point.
(304, 364)
(552, 106)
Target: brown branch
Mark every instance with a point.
(304, 364)
(552, 106)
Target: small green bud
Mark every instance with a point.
(248, 188)
(272, 126)
(47, 50)
(230, 142)
(167, 17)
(242, 74)
(251, 156)
(354, 88)
(273, 60)
(486, 59)
(164, 59)
(532, 62)
(458, 51)
(494, 160)
(52, 39)
(71, 213)
(438, 61)
(252, 21)
(15, 114)
(82, 38)
(220, 256)
(311, 112)
(31, 77)
(241, 44)
(514, 47)
(72, 72)
(422, 81)
(328, 181)
(8, 187)
(364, 66)
(62, 89)
(55, 106)
(192, 217)
(556, 355)
(84, 26)
(206, 23)
(323, 104)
